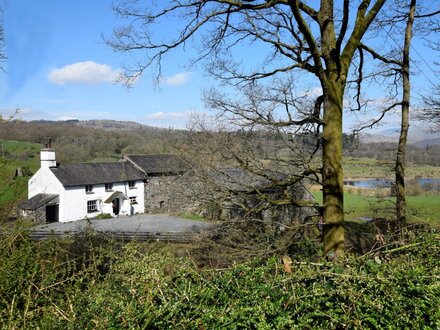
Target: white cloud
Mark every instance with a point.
(88, 72)
(64, 118)
(167, 119)
(177, 80)
(36, 114)
(166, 116)
(23, 114)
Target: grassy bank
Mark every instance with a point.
(14, 154)
(420, 208)
(91, 284)
(372, 168)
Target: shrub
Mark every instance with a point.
(91, 283)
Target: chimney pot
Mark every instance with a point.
(48, 143)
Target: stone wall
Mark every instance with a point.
(254, 207)
(184, 193)
(170, 194)
(38, 215)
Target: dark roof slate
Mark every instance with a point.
(78, 174)
(38, 201)
(157, 164)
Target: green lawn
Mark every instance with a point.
(19, 149)
(421, 208)
(16, 154)
(14, 189)
(372, 168)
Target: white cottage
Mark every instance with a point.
(77, 191)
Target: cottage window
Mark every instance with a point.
(109, 186)
(89, 188)
(131, 184)
(133, 200)
(92, 206)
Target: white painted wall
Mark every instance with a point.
(73, 201)
(44, 182)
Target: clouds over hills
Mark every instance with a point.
(87, 72)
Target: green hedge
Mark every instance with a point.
(93, 284)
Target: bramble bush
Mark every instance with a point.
(92, 283)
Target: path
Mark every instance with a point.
(140, 227)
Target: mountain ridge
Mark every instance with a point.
(106, 124)
(419, 136)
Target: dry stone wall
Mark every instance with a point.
(186, 193)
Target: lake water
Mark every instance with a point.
(425, 183)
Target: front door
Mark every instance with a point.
(115, 205)
(52, 213)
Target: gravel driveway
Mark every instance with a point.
(141, 223)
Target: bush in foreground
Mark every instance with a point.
(90, 283)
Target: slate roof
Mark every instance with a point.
(78, 174)
(157, 164)
(38, 201)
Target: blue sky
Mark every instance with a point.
(58, 67)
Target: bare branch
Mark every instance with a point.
(378, 56)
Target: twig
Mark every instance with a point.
(56, 307)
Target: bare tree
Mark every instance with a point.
(406, 88)
(2, 42)
(266, 131)
(430, 110)
(400, 21)
(319, 42)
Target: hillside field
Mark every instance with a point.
(26, 154)
(372, 168)
(16, 154)
(421, 208)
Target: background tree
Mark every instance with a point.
(403, 69)
(403, 138)
(2, 42)
(430, 111)
(431, 108)
(319, 41)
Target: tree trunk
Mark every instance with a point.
(401, 149)
(332, 175)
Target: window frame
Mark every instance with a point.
(108, 186)
(133, 200)
(132, 184)
(92, 206)
(89, 189)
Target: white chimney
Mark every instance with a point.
(47, 155)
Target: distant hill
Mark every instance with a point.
(106, 124)
(418, 136)
(91, 140)
(428, 142)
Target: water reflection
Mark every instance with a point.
(426, 184)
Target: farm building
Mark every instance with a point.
(146, 183)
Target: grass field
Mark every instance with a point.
(14, 189)
(14, 154)
(26, 154)
(372, 168)
(421, 208)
